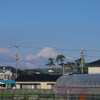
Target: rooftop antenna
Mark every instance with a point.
(82, 59)
(17, 59)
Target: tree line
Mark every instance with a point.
(75, 67)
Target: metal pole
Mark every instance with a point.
(17, 59)
(82, 60)
(63, 69)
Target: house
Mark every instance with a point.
(7, 76)
(36, 81)
(7, 73)
(94, 67)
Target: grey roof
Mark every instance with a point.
(94, 63)
(79, 80)
(1, 70)
(12, 69)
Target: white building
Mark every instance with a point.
(7, 73)
(94, 67)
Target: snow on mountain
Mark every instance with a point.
(41, 58)
(30, 61)
(47, 53)
(44, 53)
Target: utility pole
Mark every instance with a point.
(63, 68)
(82, 60)
(17, 59)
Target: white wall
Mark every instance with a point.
(8, 72)
(1, 76)
(94, 70)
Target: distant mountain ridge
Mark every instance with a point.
(41, 58)
(31, 61)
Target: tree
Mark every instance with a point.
(78, 63)
(51, 62)
(60, 60)
(69, 64)
(74, 66)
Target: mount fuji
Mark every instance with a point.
(41, 58)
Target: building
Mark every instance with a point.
(7, 76)
(7, 73)
(94, 67)
(78, 87)
(36, 81)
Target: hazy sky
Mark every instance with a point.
(60, 24)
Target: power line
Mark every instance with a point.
(58, 49)
(62, 49)
(49, 49)
(33, 47)
(94, 56)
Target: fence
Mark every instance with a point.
(37, 96)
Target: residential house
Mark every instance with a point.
(7, 73)
(36, 81)
(94, 67)
(7, 76)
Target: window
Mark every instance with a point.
(31, 86)
(7, 77)
(51, 85)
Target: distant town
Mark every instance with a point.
(13, 78)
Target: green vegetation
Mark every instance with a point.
(75, 66)
(24, 96)
(43, 96)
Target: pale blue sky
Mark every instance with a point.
(61, 24)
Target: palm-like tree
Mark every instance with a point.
(51, 62)
(60, 60)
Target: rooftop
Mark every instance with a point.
(79, 80)
(38, 77)
(94, 64)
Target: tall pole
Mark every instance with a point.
(17, 59)
(82, 60)
(63, 68)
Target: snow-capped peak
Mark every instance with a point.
(47, 53)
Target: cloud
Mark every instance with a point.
(3, 51)
(6, 58)
(69, 58)
(29, 57)
(28, 64)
